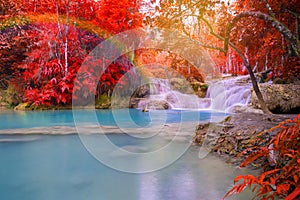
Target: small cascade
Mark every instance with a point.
(221, 95)
(162, 96)
(227, 94)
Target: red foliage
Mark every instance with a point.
(117, 16)
(45, 56)
(282, 171)
(267, 48)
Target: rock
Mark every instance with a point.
(103, 102)
(236, 133)
(293, 80)
(10, 96)
(23, 106)
(4, 106)
(246, 109)
(154, 104)
(199, 88)
(280, 98)
(13, 99)
(134, 102)
(181, 85)
(279, 81)
(142, 92)
(201, 131)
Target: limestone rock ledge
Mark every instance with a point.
(280, 98)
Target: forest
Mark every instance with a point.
(43, 45)
(242, 37)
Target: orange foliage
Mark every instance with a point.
(170, 60)
(281, 174)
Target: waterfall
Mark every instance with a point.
(221, 95)
(225, 95)
(162, 96)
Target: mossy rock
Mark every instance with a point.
(103, 102)
(181, 85)
(10, 96)
(23, 106)
(204, 87)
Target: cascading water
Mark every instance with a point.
(163, 96)
(221, 95)
(225, 95)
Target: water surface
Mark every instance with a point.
(41, 167)
(28, 119)
(59, 167)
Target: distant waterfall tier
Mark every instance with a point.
(221, 95)
(163, 95)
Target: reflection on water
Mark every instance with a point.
(59, 167)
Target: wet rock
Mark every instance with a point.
(142, 92)
(10, 96)
(134, 102)
(236, 133)
(199, 88)
(280, 98)
(201, 131)
(181, 85)
(246, 109)
(154, 104)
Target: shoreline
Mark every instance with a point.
(169, 131)
(238, 132)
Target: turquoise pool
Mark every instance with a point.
(36, 167)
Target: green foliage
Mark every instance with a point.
(13, 21)
(103, 101)
(204, 87)
(11, 96)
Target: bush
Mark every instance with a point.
(282, 171)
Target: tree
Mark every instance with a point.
(56, 36)
(118, 16)
(206, 14)
(13, 41)
(280, 156)
(275, 52)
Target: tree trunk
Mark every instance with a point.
(247, 65)
(66, 44)
(287, 33)
(256, 89)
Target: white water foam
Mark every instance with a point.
(221, 95)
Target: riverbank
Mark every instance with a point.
(238, 132)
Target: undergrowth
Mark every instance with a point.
(281, 173)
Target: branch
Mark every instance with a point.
(212, 32)
(182, 12)
(246, 63)
(269, 8)
(285, 31)
(294, 13)
(211, 47)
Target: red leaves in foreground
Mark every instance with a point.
(281, 176)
